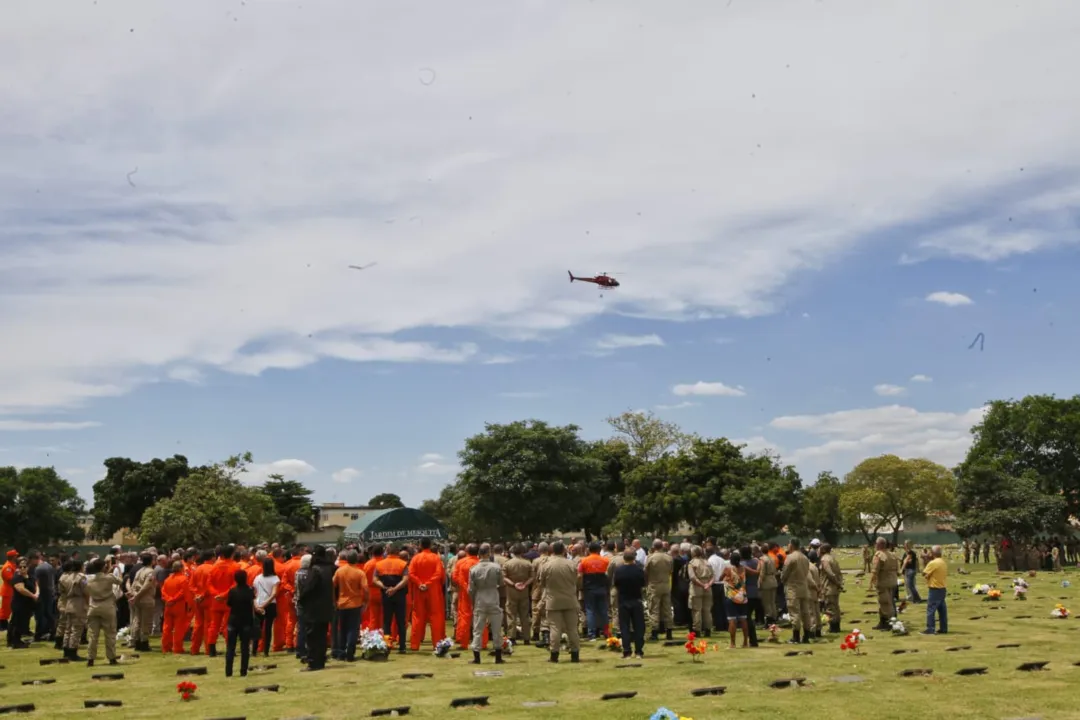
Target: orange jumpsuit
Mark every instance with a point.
(429, 606)
(176, 594)
(279, 619)
(221, 582)
(253, 572)
(7, 592)
(286, 596)
(200, 591)
(463, 629)
(373, 615)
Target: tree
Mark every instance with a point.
(607, 489)
(1040, 434)
(384, 501)
(992, 502)
(821, 509)
(452, 509)
(648, 436)
(652, 503)
(525, 478)
(292, 502)
(886, 491)
(129, 488)
(211, 506)
(38, 508)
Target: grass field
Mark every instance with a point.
(666, 678)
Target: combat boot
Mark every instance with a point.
(834, 626)
(211, 650)
(554, 657)
(667, 635)
(794, 638)
(499, 658)
(575, 657)
(476, 658)
(817, 632)
(654, 636)
(59, 643)
(74, 657)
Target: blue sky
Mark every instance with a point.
(811, 204)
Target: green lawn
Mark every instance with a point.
(668, 675)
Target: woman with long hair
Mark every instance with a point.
(736, 602)
(266, 588)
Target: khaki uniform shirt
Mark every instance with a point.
(560, 581)
(101, 588)
(702, 572)
(73, 592)
(796, 575)
(884, 571)
(831, 575)
(766, 573)
(538, 582)
(517, 570)
(143, 586)
(658, 570)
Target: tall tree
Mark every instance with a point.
(212, 506)
(129, 488)
(652, 502)
(992, 502)
(385, 501)
(292, 500)
(38, 508)
(647, 436)
(821, 508)
(453, 510)
(525, 478)
(886, 491)
(606, 491)
(1039, 433)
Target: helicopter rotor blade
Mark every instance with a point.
(362, 267)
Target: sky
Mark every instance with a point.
(814, 208)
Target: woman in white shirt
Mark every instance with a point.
(266, 592)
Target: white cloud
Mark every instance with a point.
(614, 342)
(500, 360)
(677, 406)
(435, 464)
(292, 469)
(851, 435)
(921, 378)
(190, 375)
(949, 298)
(757, 444)
(345, 475)
(228, 249)
(39, 426)
(887, 390)
(708, 388)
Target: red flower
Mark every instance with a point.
(186, 696)
(690, 636)
(844, 646)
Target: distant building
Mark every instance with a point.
(339, 515)
(122, 536)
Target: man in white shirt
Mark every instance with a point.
(639, 553)
(718, 562)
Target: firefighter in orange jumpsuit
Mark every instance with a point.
(463, 629)
(7, 593)
(200, 592)
(278, 556)
(254, 569)
(286, 595)
(427, 578)
(222, 580)
(176, 594)
(373, 616)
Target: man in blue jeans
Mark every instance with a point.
(935, 573)
(595, 590)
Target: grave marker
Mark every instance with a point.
(391, 712)
(917, 672)
(487, 673)
(48, 681)
(107, 676)
(261, 688)
(619, 695)
(1033, 666)
(469, 701)
(1008, 645)
(416, 676)
(849, 679)
(716, 690)
(787, 682)
(102, 703)
(191, 671)
(628, 665)
(53, 661)
(539, 703)
(903, 651)
(972, 671)
(958, 648)
(793, 653)
(21, 708)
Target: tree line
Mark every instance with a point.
(525, 479)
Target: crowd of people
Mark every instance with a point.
(313, 600)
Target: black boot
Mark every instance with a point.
(74, 656)
(667, 635)
(806, 637)
(475, 658)
(834, 626)
(575, 656)
(499, 658)
(817, 632)
(545, 639)
(794, 638)
(212, 651)
(59, 644)
(114, 661)
(654, 635)
(89, 663)
(554, 657)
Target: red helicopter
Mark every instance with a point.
(603, 280)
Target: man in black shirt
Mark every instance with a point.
(241, 602)
(629, 581)
(317, 599)
(45, 610)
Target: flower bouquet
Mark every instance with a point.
(373, 645)
(897, 627)
(1020, 588)
(785, 620)
(853, 641)
(443, 647)
(665, 714)
(992, 595)
(187, 690)
(980, 589)
(1065, 583)
(613, 643)
(774, 634)
(1060, 611)
(695, 647)
(507, 645)
(123, 637)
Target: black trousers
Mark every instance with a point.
(265, 629)
(316, 643)
(632, 626)
(393, 608)
(20, 617)
(719, 613)
(44, 618)
(243, 636)
(680, 607)
(757, 611)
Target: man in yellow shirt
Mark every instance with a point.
(935, 573)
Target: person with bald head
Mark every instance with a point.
(884, 573)
(560, 581)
